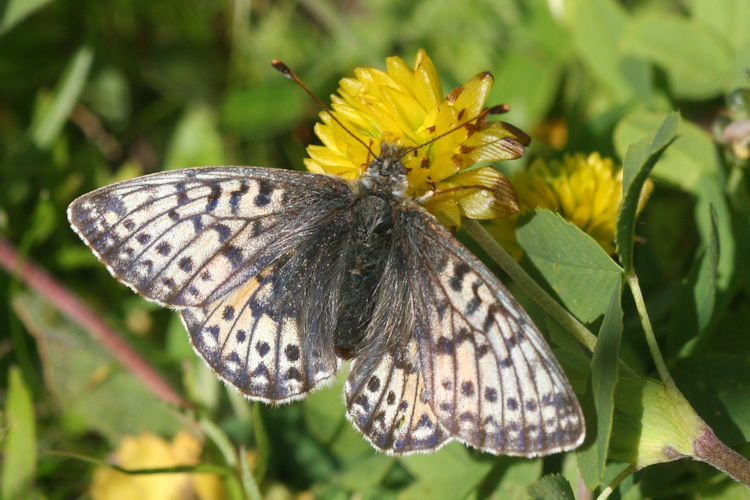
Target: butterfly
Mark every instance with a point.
(280, 275)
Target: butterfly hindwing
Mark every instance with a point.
(250, 343)
(492, 379)
(385, 401)
(187, 237)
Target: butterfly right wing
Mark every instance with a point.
(491, 378)
(187, 237)
(256, 345)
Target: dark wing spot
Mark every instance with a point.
(512, 404)
(506, 362)
(234, 357)
(213, 198)
(447, 384)
(182, 197)
(362, 401)
(213, 330)
(262, 348)
(228, 313)
(467, 388)
(445, 345)
(143, 238)
(261, 371)
(186, 264)
(240, 336)
(233, 254)
(223, 230)
(263, 197)
(206, 276)
(197, 221)
(425, 421)
(168, 282)
(490, 394)
(129, 224)
(472, 306)
(163, 248)
(292, 352)
(482, 350)
(463, 335)
(493, 310)
(373, 384)
(457, 280)
(236, 196)
(390, 398)
(173, 215)
(293, 374)
(531, 405)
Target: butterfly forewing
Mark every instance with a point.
(492, 379)
(249, 343)
(187, 237)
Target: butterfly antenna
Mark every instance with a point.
(287, 72)
(494, 110)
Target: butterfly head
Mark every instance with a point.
(386, 174)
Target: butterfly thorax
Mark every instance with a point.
(385, 176)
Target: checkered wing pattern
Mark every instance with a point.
(188, 237)
(249, 341)
(489, 375)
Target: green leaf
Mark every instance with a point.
(366, 473)
(515, 477)
(446, 474)
(16, 10)
(639, 161)
(713, 216)
(688, 159)
(196, 141)
(694, 306)
(48, 124)
(593, 457)
(85, 383)
(19, 450)
(572, 263)
(698, 65)
(552, 487)
(263, 109)
(597, 27)
(717, 384)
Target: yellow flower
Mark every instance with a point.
(148, 451)
(406, 107)
(586, 190)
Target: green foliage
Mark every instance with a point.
(93, 92)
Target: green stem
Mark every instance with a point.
(648, 330)
(527, 283)
(606, 492)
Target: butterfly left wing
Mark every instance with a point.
(489, 375)
(256, 345)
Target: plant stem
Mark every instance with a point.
(66, 302)
(606, 492)
(708, 448)
(648, 331)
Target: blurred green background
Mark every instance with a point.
(92, 92)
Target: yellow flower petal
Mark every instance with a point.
(405, 106)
